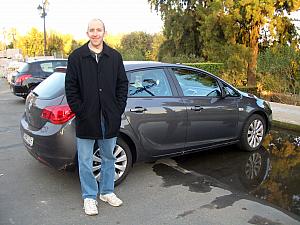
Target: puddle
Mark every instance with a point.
(272, 173)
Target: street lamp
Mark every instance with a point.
(43, 9)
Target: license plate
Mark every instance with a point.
(28, 139)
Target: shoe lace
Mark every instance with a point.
(90, 203)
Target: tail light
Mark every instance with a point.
(23, 77)
(58, 114)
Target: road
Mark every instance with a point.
(153, 193)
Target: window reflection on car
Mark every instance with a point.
(149, 83)
(197, 84)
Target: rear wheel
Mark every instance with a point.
(253, 133)
(123, 161)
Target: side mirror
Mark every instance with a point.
(223, 92)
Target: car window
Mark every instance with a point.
(152, 82)
(229, 91)
(59, 63)
(51, 87)
(195, 83)
(47, 67)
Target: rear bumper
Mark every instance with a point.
(19, 90)
(53, 145)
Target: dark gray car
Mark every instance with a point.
(171, 110)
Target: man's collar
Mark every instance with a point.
(86, 51)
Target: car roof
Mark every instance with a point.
(44, 60)
(133, 65)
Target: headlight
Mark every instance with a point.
(268, 104)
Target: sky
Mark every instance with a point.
(72, 16)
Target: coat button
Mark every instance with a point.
(100, 89)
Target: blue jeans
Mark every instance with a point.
(90, 187)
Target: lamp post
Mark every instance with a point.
(43, 9)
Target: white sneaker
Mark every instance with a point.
(90, 206)
(111, 199)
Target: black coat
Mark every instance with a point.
(93, 87)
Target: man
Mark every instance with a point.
(96, 89)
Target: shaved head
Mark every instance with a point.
(95, 20)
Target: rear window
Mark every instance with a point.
(23, 68)
(52, 87)
(51, 65)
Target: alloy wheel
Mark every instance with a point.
(255, 133)
(120, 163)
(253, 166)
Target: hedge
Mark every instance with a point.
(214, 68)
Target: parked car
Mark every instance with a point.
(171, 110)
(30, 74)
(12, 70)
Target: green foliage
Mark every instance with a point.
(54, 44)
(136, 46)
(214, 68)
(225, 31)
(181, 28)
(279, 69)
(179, 58)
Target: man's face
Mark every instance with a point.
(96, 32)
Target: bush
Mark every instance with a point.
(279, 69)
(214, 68)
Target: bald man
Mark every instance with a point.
(96, 88)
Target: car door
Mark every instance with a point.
(156, 112)
(212, 119)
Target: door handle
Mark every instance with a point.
(197, 108)
(138, 109)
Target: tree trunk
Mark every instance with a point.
(251, 72)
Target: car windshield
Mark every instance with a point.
(52, 87)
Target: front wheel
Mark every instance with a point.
(123, 161)
(253, 133)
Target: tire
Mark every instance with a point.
(254, 168)
(123, 162)
(253, 133)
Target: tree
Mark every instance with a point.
(113, 40)
(32, 43)
(251, 17)
(182, 20)
(158, 40)
(67, 44)
(136, 46)
(55, 44)
(209, 29)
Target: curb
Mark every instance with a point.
(287, 126)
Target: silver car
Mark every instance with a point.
(171, 110)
